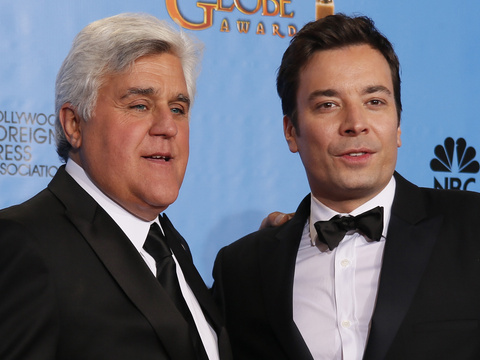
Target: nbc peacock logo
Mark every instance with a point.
(455, 157)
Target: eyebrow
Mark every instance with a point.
(317, 93)
(151, 91)
(332, 92)
(138, 91)
(377, 88)
(183, 98)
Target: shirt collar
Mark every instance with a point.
(134, 228)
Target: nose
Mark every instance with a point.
(354, 121)
(163, 124)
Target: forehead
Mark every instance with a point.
(162, 68)
(346, 65)
(165, 65)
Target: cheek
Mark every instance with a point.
(184, 138)
(317, 142)
(395, 139)
(124, 142)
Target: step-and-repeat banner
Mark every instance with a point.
(240, 168)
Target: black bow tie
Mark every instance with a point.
(370, 223)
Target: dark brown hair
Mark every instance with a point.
(331, 32)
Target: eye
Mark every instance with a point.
(178, 111)
(139, 107)
(376, 102)
(327, 105)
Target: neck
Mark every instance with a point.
(345, 205)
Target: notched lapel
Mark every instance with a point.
(193, 278)
(197, 285)
(278, 267)
(128, 269)
(125, 264)
(407, 251)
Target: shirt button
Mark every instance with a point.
(346, 324)
(345, 263)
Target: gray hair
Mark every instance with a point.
(111, 45)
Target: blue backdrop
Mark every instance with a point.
(240, 168)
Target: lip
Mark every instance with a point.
(356, 155)
(159, 157)
(355, 151)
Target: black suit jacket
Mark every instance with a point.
(428, 301)
(72, 286)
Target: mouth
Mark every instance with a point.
(166, 158)
(356, 154)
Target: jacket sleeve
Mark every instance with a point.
(28, 317)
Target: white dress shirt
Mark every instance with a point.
(334, 291)
(137, 230)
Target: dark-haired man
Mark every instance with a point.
(371, 266)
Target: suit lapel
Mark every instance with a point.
(193, 278)
(125, 264)
(410, 239)
(196, 283)
(278, 267)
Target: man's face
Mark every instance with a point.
(135, 146)
(348, 131)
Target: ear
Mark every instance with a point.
(71, 124)
(399, 140)
(290, 134)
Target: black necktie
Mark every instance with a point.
(157, 246)
(370, 223)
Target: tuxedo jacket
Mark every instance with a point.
(428, 300)
(73, 287)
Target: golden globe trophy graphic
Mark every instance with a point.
(323, 8)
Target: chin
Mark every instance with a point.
(163, 201)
